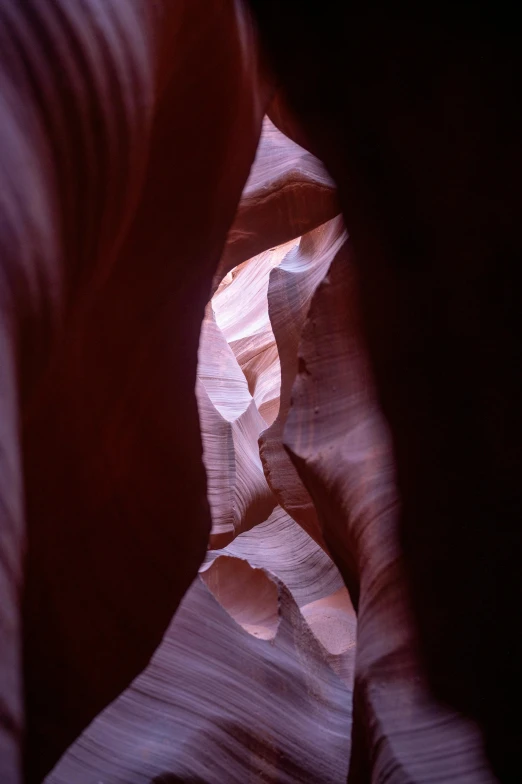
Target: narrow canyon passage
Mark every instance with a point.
(254, 678)
(262, 675)
(260, 382)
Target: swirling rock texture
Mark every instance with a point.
(238, 494)
(260, 657)
(283, 548)
(414, 110)
(287, 194)
(288, 191)
(337, 451)
(108, 164)
(115, 205)
(399, 733)
(252, 681)
(224, 699)
(241, 310)
(292, 284)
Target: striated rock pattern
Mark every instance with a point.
(241, 310)
(284, 549)
(414, 110)
(123, 154)
(292, 284)
(338, 440)
(253, 680)
(131, 189)
(288, 193)
(270, 615)
(220, 705)
(238, 494)
(251, 683)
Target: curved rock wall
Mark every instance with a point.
(292, 284)
(114, 489)
(221, 705)
(253, 680)
(288, 193)
(300, 471)
(238, 494)
(338, 441)
(414, 109)
(291, 579)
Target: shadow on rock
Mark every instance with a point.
(172, 778)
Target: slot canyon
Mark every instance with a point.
(260, 430)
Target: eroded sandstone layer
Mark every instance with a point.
(415, 110)
(221, 704)
(253, 680)
(335, 375)
(267, 653)
(338, 440)
(119, 142)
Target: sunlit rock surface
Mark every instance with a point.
(132, 195)
(238, 494)
(253, 680)
(222, 704)
(284, 549)
(241, 310)
(251, 683)
(287, 194)
(292, 284)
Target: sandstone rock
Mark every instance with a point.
(414, 112)
(144, 146)
(338, 440)
(238, 494)
(288, 194)
(292, 284)
(284, 549)
(224, 700)
(241, 310)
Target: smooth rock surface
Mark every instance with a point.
(219, 705)
(284, 549)
(288, 194)
(415, 111)
(123, 152)
(241, 311)
(292, 284)
(238, 494)
(339, 442)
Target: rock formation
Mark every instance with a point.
(261, 654)
(221, 704)
(238, 494)
(283, 548)
(241, 310)
(257, 660)
(120, 181)
(339, 442)
(329, 488)
(414, 110)
(288, 193)
(292, 284)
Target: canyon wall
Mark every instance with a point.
(253, 679)
(267, 672)
(286, 407)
